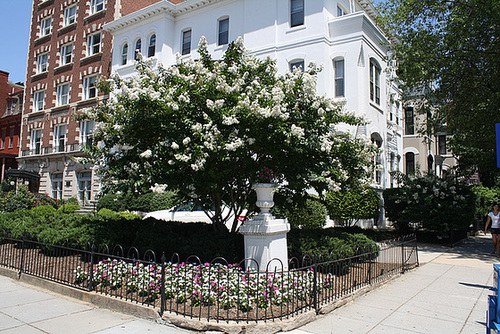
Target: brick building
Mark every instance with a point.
(68, 52)
(11, 105)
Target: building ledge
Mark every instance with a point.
(42, 39)
(63, 68)
(90, 59)
(39, 76)
(98, 15)
(66, 29)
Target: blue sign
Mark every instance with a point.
(497, 126)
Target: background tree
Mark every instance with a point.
(205, 128)
(449, 51)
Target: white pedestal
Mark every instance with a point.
(265, 236)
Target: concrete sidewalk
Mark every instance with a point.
(446, 294)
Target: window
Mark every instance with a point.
(84, 186)
(138, 48)
(62, 95)
(124, 54)
(223, 31)
(340, 11)
(96, 6)
(66, 54)
(296, 13)
(39, 101)
(378, 166)
(11, 138)
(442, 145)
(186, 42)
(374, 82)
(339, 78)
(46, 26)
(152, 46)
(2, 145)
(86, 130)
(42, 63)
(409, 121)
(93, 44)
(297, 64)
(410, 163)
(60, 138)
(89, 87)
(36, 141)
(69, 15)
(57, 185)
(11, 107)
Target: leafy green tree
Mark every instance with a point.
(449, 52)
(349, 206)
(205, 128)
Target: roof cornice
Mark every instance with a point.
(161, 7)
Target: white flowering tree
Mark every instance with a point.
(206, 128)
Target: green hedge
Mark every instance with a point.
(132, 202)
(349, 206)
(302, 212)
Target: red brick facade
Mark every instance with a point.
(68, 50)
(11, 104)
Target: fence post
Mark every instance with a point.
(162, 287)
(372, 255)
(315, 286)
(402, 255)
(21, 265)
(91, 278)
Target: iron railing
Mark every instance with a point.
(216, 290)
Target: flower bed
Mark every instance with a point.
(227, 286)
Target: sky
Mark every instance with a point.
(15, 25)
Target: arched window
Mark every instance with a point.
(152, 46)
(124, 54)
(410, 163)
(297, 63)
(138, 48)
(374, 82)
(377, 140)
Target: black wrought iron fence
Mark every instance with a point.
(217, 290)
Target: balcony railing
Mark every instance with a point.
(69, 148)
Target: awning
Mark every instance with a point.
(22, 174)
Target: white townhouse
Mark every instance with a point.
(342, 36)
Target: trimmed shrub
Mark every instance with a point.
(154, 202)
(302, 212)
(68, 208)
(42, 210)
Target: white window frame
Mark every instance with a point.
(297, 13)
(60, 132)
(85, 186)
(42, 63)
(89, 87)
(186, 44)
(39, 100)
(375, 80)
(341, 11)
(69, 15)
(339, 72)
(94, 47)
(96, 6)
(86, 131)
(62, 94)
(67, 54)
(124, 54)
(36, 141)
(222, 35)
(46, 26)
(57, 184)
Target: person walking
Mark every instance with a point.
(494, 220)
